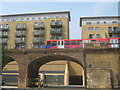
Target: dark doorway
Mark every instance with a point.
(76, 80)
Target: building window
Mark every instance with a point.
(104, 22)
(96, 28)
(19, 25)
(41, 24)
(5, 33)
(58, 22)
(4, 40)
(0, 33)
(27, 19)
(91, 36)
(6, 26)
(115, 28)
(59, 37)
(36, 24)
(33, 19)
(1, 26)
(98, 22)
(114, 22)
(98, 36)
(90, 28)
(44, 18)
(88, 23)
(109, 29)
(110, 35)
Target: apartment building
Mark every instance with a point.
(31, 30)
(100, 27)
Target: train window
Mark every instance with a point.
(86, 41)
(58, 42)
(62, 43)
(79, 42)
(93, 40)
(67, 43)
(48, 43)
(54, 43)
(114, 40)
(73, 42)
(107, 41)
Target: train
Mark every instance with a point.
(82, 43)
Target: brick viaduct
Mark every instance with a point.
(101, 65)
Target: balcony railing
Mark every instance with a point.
(5, 41)
(39, 26)
(56, 24)
(24, 27)
(20, 34)
(4, 29)
(56, 31)
(19, 41)
(38, 33)
(4, 35)
(113, 31)
(38, 40)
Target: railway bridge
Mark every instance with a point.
(101, 65)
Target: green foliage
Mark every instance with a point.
(5, 59)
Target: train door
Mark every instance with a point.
(60, 44)
(85, 42)
(114, 42)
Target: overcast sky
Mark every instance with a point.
(77, 10)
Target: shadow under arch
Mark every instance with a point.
(6, 60)
(10, 72)
(33, 67)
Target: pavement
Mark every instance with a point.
(50, 88)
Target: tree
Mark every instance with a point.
(5, 59)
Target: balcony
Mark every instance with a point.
(20, 34)
(56, 31)
(38, 40)
(23, 27)
(4, 29)
(19, 41)
(114, 31)
(57, 24)
(4, 35)
(4, 41)
(39, 26)
(39, 33)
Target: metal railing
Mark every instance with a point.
(38, 32)
(56, 31)
(113, 31)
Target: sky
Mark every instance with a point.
(77, 10)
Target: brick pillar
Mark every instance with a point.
(22, 78)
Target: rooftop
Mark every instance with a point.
(37, 14)
(96, 17)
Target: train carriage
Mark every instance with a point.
(81, 43)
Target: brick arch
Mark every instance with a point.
(10, 60)
(33, 67)
(13, 75)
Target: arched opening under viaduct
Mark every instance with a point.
(10, 73)
(66, 71)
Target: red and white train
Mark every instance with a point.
(81, 43)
